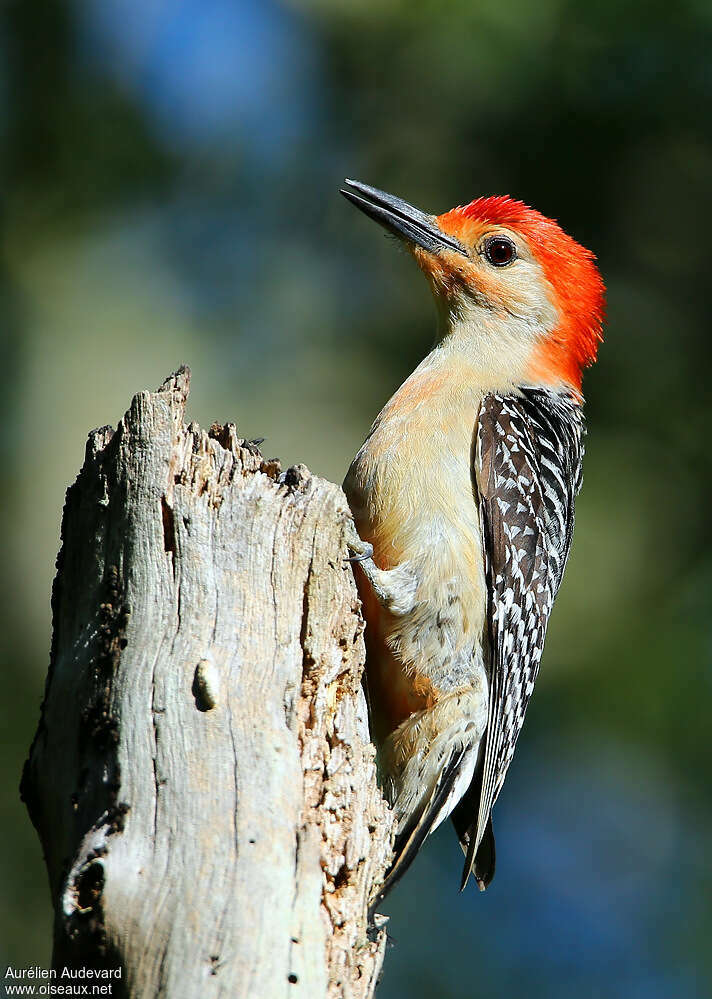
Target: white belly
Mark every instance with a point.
(412, 493)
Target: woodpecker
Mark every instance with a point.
(463, 503)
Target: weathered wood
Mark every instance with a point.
(202, 779)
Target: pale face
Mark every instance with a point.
(497, 273)
(534, 316)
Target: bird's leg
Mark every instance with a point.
(394, 588)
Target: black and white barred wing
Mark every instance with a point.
(527, 471)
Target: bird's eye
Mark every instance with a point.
(500, 251)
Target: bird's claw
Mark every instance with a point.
(394, 588)
(361, 550)
(361, 557)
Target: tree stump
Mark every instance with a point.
(202, 779)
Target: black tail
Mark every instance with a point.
(482, 863)
(411, 838)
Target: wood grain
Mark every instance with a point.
(202, 779)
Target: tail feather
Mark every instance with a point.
(481, 862)
(480, 858)
(410, 839)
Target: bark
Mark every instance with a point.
(202, 779)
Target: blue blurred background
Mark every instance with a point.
(169, 191)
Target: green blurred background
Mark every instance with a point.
(170, 176)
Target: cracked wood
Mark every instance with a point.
(202, 779)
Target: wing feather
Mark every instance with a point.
(527, 469)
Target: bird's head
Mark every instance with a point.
(504, 277)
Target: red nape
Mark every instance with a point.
(571, 271)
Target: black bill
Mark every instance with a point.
(400, 218)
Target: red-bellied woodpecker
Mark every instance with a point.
(463, 500)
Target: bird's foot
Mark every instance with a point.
(394, 588)
(362, 550)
